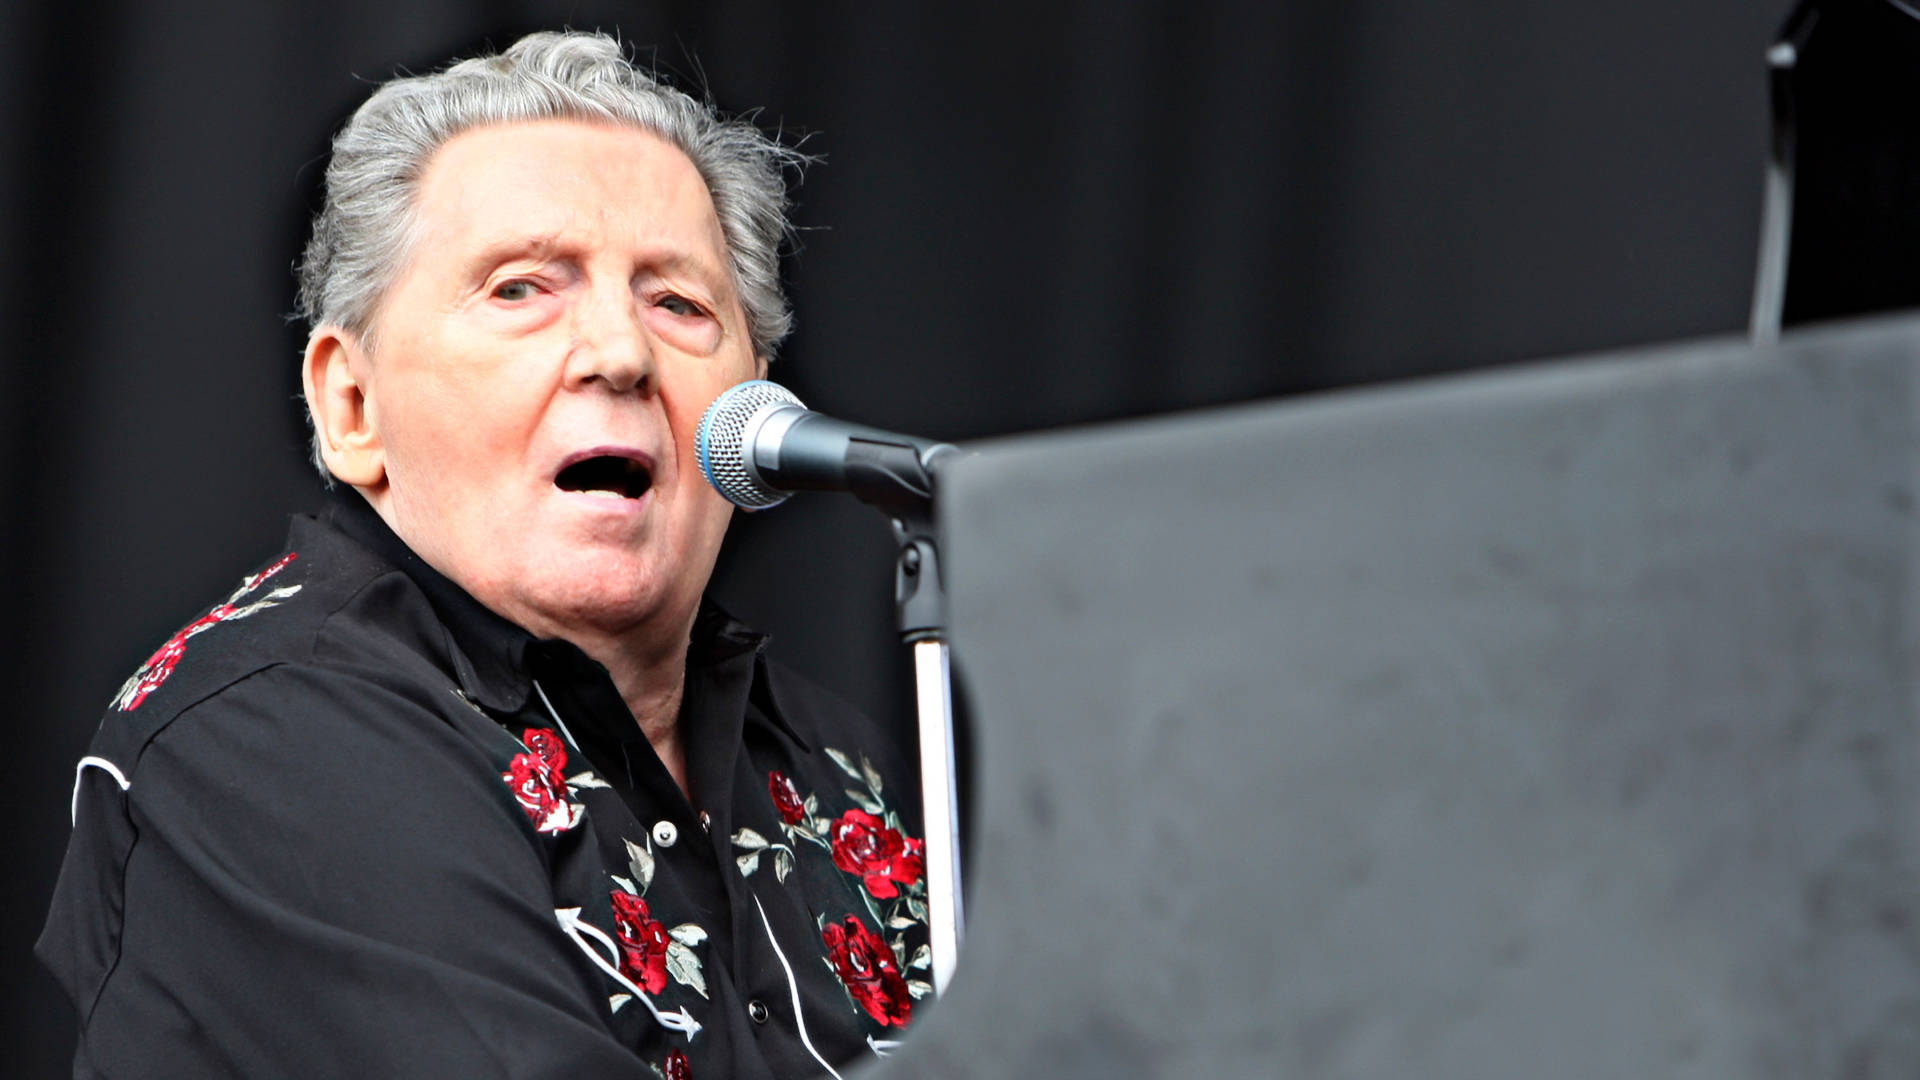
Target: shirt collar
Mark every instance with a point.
(490, 657)
(493, 657)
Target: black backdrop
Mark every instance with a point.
(1030, 216)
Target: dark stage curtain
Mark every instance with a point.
(1027, 216)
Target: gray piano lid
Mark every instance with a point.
(1552, 722)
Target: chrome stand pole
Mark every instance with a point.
(934, 691)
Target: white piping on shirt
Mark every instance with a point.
(556, 717)
(571, 922)
(679, 1020)
(103, 765)
(799, 1019)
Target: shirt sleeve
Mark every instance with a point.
(328, 878)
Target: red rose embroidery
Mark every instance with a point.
(885, 860)
(866, 966)
(786, 798)
(159, 667)
(535, 789)
(551, 752)
(643, 942)
(677, 1067)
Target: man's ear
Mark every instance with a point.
(760, 367)
(337, 378)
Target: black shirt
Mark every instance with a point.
(351, 822)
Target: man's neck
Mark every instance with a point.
(648, 668)
(652, 683)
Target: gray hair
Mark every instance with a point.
(363, 234)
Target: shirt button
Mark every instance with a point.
(706, 821)
(758, 1010)
(665, 834)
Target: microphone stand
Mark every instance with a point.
(921, 597)
(899, 480)
(757, 444)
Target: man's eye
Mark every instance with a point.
(680, 305)
(514, 290)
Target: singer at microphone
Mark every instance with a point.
(471, 778)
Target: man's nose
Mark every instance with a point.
(610, 344)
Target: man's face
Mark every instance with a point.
(540, 367)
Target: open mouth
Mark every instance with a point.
(606, 474)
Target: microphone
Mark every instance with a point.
(757, 444)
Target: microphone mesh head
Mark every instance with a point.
(720, 442)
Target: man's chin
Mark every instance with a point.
(601, 606)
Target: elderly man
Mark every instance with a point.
(469, 781)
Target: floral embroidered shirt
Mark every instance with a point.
(350, 822)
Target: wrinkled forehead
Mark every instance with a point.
(557, 189)
(560, 181)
